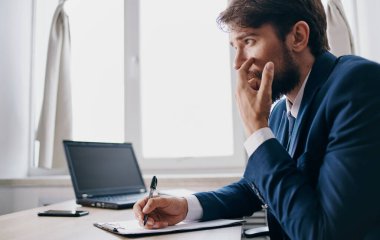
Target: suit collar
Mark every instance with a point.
(294, 107)
(320, 72)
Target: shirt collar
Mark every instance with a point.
(295, 107)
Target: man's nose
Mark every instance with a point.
(240, 58)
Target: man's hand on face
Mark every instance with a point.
(254, 96)
(162, 211)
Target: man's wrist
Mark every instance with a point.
(255, 127)
(185, 206)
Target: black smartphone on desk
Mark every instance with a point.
(63, 213)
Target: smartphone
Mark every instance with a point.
(62, 213)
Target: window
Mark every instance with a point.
(97, 35)
(182, 67)
(175, 102)
(185, 76)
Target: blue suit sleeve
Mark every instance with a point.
(233, 201)
(344, 201)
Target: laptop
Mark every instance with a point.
(104, 175)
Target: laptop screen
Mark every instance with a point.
(103, 168)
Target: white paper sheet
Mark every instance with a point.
(132, 228)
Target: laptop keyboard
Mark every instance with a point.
(120, 198)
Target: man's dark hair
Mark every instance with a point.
(282, 15)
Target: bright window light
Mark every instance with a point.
(185, 80)
(97, 38)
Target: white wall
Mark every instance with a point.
(15, 50)
(17, 198)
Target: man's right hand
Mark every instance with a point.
(162, 211)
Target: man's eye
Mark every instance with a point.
(249, 41)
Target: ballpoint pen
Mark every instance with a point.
(153, 185)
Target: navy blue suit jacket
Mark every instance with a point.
(327, 185)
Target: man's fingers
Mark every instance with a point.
(154, 203)
(152, 224)
(160, 224)
(254, 83)
(267, 79)
(137, 208)
(243, 72)
(246, 65)
(149, 222)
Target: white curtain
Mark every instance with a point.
(338, 30)
(56, 116)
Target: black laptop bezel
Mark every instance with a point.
(80, 194)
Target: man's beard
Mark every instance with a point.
(286, 78)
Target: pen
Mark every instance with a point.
(153, 185)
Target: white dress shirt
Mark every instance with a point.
(195, 210)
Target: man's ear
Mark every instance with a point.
(298, 38)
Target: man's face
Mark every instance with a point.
(263, 45)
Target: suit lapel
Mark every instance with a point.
(282, 133)
(320, 72)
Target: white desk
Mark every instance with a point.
(26, 225)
